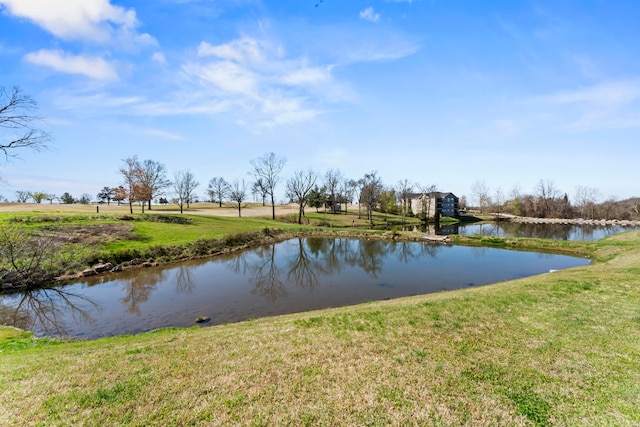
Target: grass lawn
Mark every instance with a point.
(161, 235)
(556, 349)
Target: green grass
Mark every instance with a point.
(148, 234)
(121, 237)
(556, 349)
(116, 236)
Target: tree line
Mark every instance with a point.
(142, 181)
(548, 201)
(146, 180)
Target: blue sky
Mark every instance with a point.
(438, 92)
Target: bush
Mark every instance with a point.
(122, 255)
(238, 239)
(29, 260)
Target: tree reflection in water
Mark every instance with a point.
(45, 310)
(303, 270)
(138, 289)
(316, 258)
(266, 275)
(184, 282)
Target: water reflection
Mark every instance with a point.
(46, 310)
(540, 231)
(295, 275)
(305, 269)
(138, 289)
(184, 281)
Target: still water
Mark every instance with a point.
(292, 276)
(540, 231)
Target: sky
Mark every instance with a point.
(438, 92)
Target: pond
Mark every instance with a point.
(293, 276)
(540, 231)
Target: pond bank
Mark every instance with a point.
(568, 221)
(551, 349)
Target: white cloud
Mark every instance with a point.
(307, 76)
(370, 15)
(159, 58)
(225, 76)
(257, 81)
(256, 78)
(245, 50)
(90, 66)
(94, 20)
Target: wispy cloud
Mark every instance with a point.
(609, 94)
(88, 101)
(258, 78)
(89, 66)
(370, 15)
(609, 105)
(163, 134)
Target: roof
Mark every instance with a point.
(436, 194)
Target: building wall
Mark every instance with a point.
(444, 203)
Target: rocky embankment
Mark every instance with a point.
(571, 221)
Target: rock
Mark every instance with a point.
(136, 261)
(202, 319)
(89, 272)
(117, 268)
(101, 268)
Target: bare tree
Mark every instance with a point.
(17, 114)
(370, 194)
(129, 175)
(427, 198)
(22, 196)
(358, 186)
(218, 188)
(498, 202)
(332, 180)
(259, 189)
(403, 191)
(268, 168)
(238, 194)
(546, 193)
(298, 188)
(481, 194)
(184, 184)
(586, 199)
(35, 257)
(152, 176)
(347, 190)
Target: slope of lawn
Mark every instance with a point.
(556, 349)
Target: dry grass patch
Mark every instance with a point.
(89, 234)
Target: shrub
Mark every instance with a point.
(31, 260)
